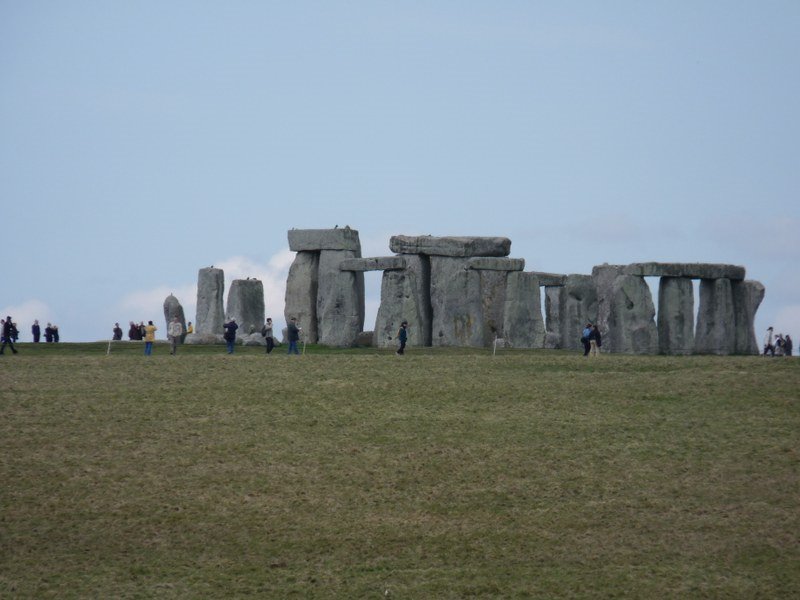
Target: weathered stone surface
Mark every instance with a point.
(549, 279)
(251, 339)
(493, 300)
(456, 303)
(450, 246)
(378, 263)
(632, 328)
(204, 339)
(340, 300)
(301, 293)
(675, 315)
(172, 309)
(365, 339)
(747, 297)
(716, 329)
(210, 289)
(246, 305)
(314, 240)
(405, 296)
(523, 326)
(604, 276)
(578, 305)
(691, 270)
(552, 311)
(495, 263)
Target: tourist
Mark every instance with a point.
(8, 337)
(174, 332)
(595, 341)
(2, 330)
(55, 333)
(48, 333)
(36, 331)
(768, 339)
(149, 337)
(585, 336)
(293, 335)
(402, 337)
(230, 334)
(189, 328)
(132, 330)
(142, 331)
(117, 333)
(779, 345)
(266, 331)
(787, 345)
(14, 330)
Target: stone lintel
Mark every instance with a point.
(690, 270)
(450, 246)
(495, 263)
(377, 263)
(550, 279)
(324, 239)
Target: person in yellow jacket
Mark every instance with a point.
(149, 337)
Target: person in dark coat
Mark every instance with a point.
(8, 338)
(36, 331)
(293, 335)
(595, 341)
(587, 332)
(55, 333)
(787, 345)
(48, 333)
(117, 332)
(266, 331)
(402, 337)
(230, 334)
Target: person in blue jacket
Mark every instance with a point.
(402, 336)
(230, 334)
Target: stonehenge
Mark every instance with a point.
(468, 291)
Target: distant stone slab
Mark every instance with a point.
(493, 263)
(310, 240)
(450, 246)
(691, 270)
(549, 279)
(379, 263)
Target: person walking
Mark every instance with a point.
(768, 340)
(8, 339)
(117, 333)
(402, 337)
(293, 335)
(595, 341)
(266, 331)
(230, 334)
(149, 337)
(174, 332)
(585, 336)
(36, 331)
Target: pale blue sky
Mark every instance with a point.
(141, 141)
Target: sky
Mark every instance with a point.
(141, 141)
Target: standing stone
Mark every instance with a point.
(301, 293)
(493, 299)
(405, 296)
(456, 303)
(523, 326)
(675, 315)
(340, 300)
(604, 276)
(716, 323)
(632, 328)
(747, 296)
(552, 311)
(172, 309)
(578, 305)
(210, 289)
(246, 305)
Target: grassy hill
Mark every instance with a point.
(441, 474)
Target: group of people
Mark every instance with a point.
(9, 333)
(779, 345)
(137, 333)
(591, 340)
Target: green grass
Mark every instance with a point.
(441, 474)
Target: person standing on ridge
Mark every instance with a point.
(149, 337)
(8, 339)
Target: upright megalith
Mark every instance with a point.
(578, 306)
(210, 290)
(747, 296)
(552, 313)
(715, 331)
(301, 293)
(340, 300)
(246, 305)
(405, 296)
(675, 315)
(172, 309)
(456, 303)
(631, 323)
(604, 277)
(523, 326)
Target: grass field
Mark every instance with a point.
(360, 474)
